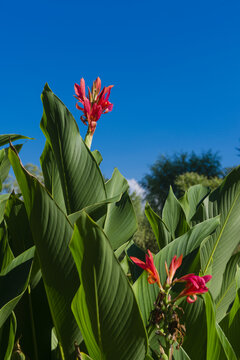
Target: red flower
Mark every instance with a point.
(194, 285)
(175, 264)
(149, 266)
(95, 104)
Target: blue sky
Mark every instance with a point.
(175, 66)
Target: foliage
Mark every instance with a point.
(69, 289)
(185, 181)
(166, 169)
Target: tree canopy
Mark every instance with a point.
(166, 169)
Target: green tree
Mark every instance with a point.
(166, 169)
(185, 181)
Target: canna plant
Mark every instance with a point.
(72, 281)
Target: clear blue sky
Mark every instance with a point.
(175, 66)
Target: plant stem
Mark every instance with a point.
(88, 139)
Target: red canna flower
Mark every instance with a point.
(194, 285)
(93, 105)
(149, 266)
(175, 264)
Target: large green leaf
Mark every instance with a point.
(192, 199)
(217, 342)
(196, 328)
(4, 139)
(51, 232)
(7, 337)
(146, 293)
(51, 176)
(159, 228)
(105, 307)
(225, 200)
(20, 236)
(81, 179)
(173, 216)
(3, 201)
(231, 325)
(6, 255)
(121, 223)
(13, 283)
(228, 290)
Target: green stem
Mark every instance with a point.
(32, 323)
(88, 139)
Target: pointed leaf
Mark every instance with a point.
(121, 223)
(13, 283)
(7, 337)
(228, 289)
(51, 233)
(225, 200)
(146, 293)
(105, 306)
(4, 139)
(51, 176)
(81, 180)
(159, 228)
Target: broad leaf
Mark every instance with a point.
(97, 156)
(228, 289)
(231, 325)
(51, 233)
(159, 228)
(225, 200)
(105, 306)
(146, 293)
(13, 283)
(121, 223)
(7, 337)
(173, 216)
(81, 179)
(5, 139)
(216, 339)
(51, 176)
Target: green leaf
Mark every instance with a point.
(180, 354)
(97, 156)
(231, 325)
(51, 176)
(85, 357)
(6, 255)
(217, 252)
(196, 328)
(4, 139)
(7, 336)
(13, 283)
(121, 223)
(195, 194)
(81, 179)
(51, 233)
(216, 339)
(146, 293)
(20, 236)
(105, 306)
(159, 228)
(173, 216)
(3, 201)
(228, 290)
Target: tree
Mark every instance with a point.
(185, 181)
(166, 169)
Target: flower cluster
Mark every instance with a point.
(194, 284)
(166, 316)
(93, 105)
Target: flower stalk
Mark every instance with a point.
(166, 317)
